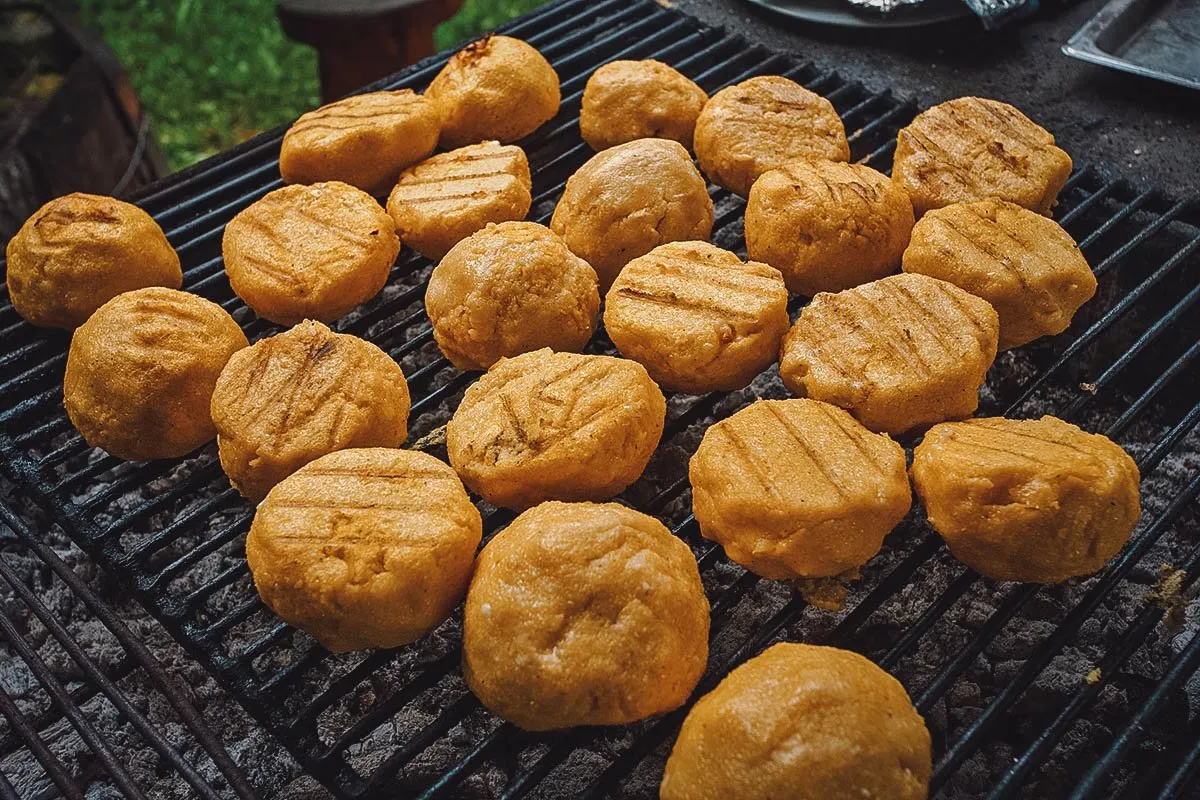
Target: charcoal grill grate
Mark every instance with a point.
(402, 721)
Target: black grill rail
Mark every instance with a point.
(402, 723)
(83, 690)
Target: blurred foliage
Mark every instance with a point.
(213, 74)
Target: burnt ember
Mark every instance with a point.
(1030, 691)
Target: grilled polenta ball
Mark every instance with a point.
(79, 251)
(555, 426)
(627, 100)
(508, 289)
(697, 317)
(365, 548)
(309, 252)
(1027, 500)
(1024, 264)
(898, 353)
(827, 226)
(584, 614)
(494, 88)
(802, 722)
(141, 372)
(629, 199)
(445, 199)
(364, 140)
(291, 398)
(762, 124)
(797, 489)
(971, 149)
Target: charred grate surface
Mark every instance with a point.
(1041, 691)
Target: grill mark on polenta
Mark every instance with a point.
(325, 505)
(671, 300)
(351, 472)
(276, 272)
(345, 234)
(963, 307)
(932, 323)
(1010, 123)
(829, 355)
(454, 178)
(865, 310)
(480, 193)
(754, 286)
(854, 439)
(977, 245)
(1024, 246)
(746, 457)
(1002, 429)
(813, 456)
(952, 168)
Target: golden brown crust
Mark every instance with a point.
(797, 489)
(898, 353)
(806, 723)
(827, 226)
(1027, 500)
(762, 124)
(627, 100)
(494, 88)
(972, 148)
(79, 251)
(296, 396)
(509, 289)
(697, 317)
(141, 371)
(555, 426)
(364, 140)
(1024, 264)
(365, 548)
(584, 614)
(629, 199)
(445, 199)
(309, 252)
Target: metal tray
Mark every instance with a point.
(1155, 38)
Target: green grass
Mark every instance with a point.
(211, 77)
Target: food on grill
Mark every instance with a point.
(364, 140)
(79, 251)
(697, 317)
(762, 124)
(629, 199)
(555, 426)
(802, 722)
(494, 88)
(584, 614)
(898, 353)
(627, 100)
(309, 252)
(797, 489)
(141, 371)
(1027, 500)
(971, 149)
(826, 225)
(445, 199)
(294, 397)
(509, 289)
(365, 548)
(1024, 264)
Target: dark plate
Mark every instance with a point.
(844, 14)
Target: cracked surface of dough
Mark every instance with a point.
(627, 100)
(899, 353)
(1027, 500)
(762, 124)
(364, 140)
(141, 372)
(802, 722)
(79, 251)
(509, 289)
(555, 426)
(291, 398)
(496, 87)
(797, 489)
(697, 317)
(309, 252)
(827, 226)
(629, 199)
(584, 614)
(972, 148)
(365, 548)
(1024, 264)
(445, 199)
